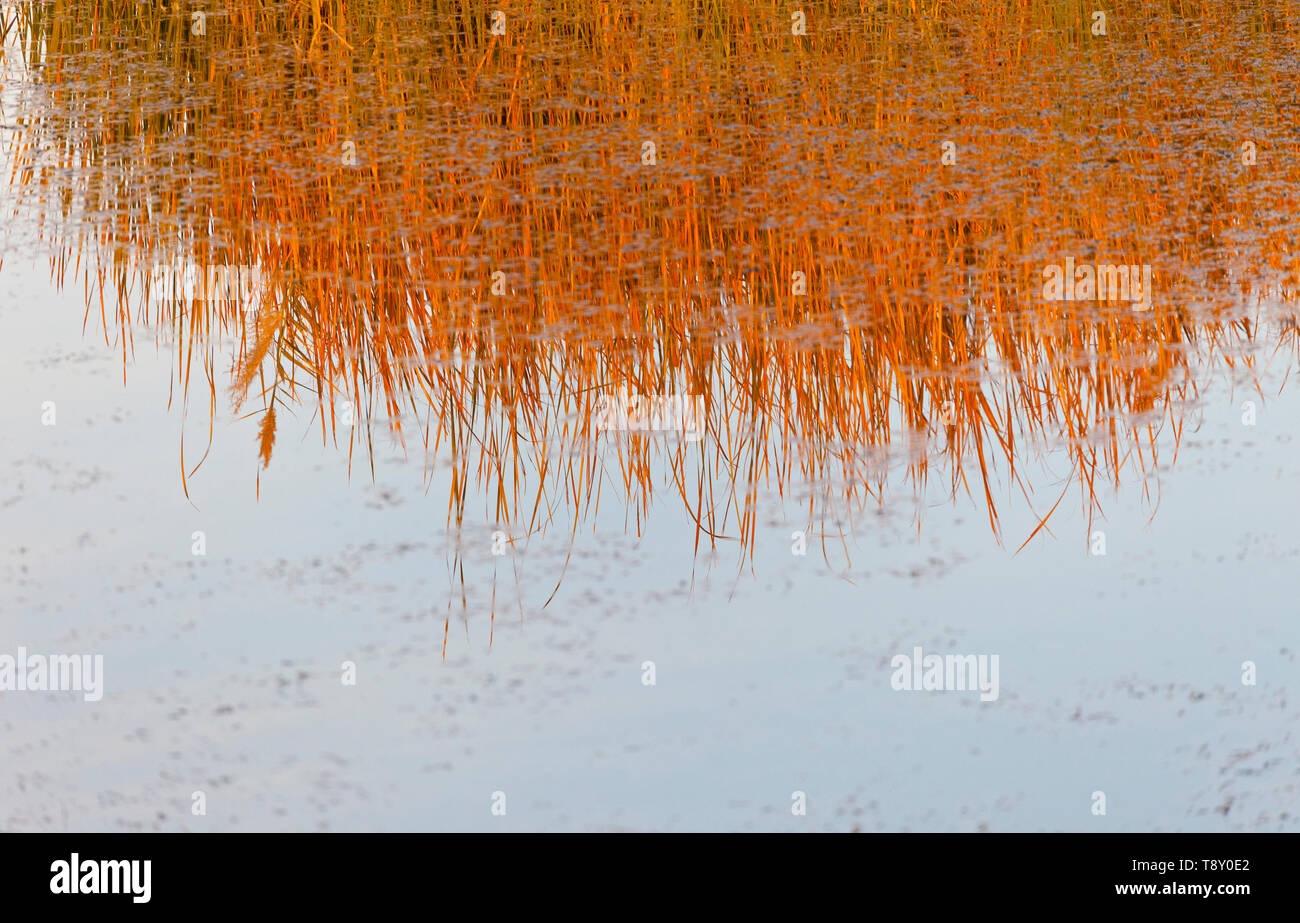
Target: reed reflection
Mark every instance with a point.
(834, 248)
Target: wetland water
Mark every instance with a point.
(617, 398)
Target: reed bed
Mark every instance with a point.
(461, 233)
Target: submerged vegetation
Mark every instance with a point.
(470, 235)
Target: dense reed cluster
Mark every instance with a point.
(472, 227)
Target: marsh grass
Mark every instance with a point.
(144, 144)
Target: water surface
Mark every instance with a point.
(454, 248)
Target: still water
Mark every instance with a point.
(582, 419)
